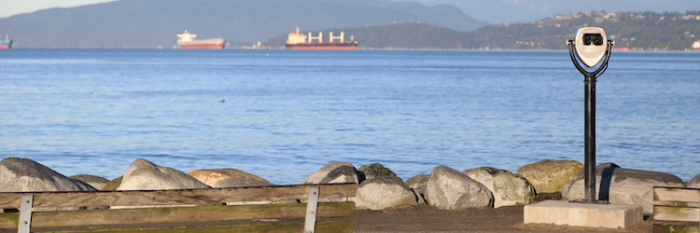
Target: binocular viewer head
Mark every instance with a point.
(591, 45)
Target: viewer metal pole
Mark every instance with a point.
(589, 128)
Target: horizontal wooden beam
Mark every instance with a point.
(675, 228)
(176, 215)
(291, 227)
(670, 213)
(177, 197)
(666, 194)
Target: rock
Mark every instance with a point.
(549, 176)
(335, 172)
(144, 175)
(26, 175)
(627, 186)
(375, 170)
(384, 192)
(113, 185)
(241, 182)
(421, 189)
(94, 181)
(508, 189)
(417, 181)
(449, 189)
(695, 182)
(212, 176)
(419, 196)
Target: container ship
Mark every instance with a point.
(6, 44)
(187, 41)
(297, 41)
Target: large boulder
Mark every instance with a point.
(144, 175)
(549, 176)
(241, 182)
(627, 186)
(695, 182)
(26, 175)
(508, 189)
(212, 176)
(450, 189)
(94, 181)
(335, 172)
(384, 192)
(375, 170)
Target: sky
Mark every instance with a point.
(508, 11)
(12, 7)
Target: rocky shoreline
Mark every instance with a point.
(379, 188)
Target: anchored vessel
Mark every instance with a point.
(6, 44)
(696, 46)
(297, 41)
(187, 41)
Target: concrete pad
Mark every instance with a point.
(583, 215)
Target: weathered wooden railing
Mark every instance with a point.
(208, 209)
(676, 210)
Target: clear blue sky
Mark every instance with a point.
(13, 7)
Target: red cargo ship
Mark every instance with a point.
(187, 41)
(297, 41)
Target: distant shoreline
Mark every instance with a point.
(388, 49)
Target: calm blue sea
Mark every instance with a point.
(283, 114)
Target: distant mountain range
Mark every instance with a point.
(638, 31)
(512, 11)
(154, 23)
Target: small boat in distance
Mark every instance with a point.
(696, 46)
(187, 41)
(6, 44)
(297, 41)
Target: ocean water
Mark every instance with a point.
(284, 114)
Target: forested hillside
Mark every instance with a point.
(639, 31)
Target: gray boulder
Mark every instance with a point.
(26, 175)
(384, 192)
(335, 172)
(375, 170)
(417, 181)
(695, 182)
(241, 182)
(94, 181)
(508, 189)
(627, 186)
(549, 176)
(144, 175)
(450, 189)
